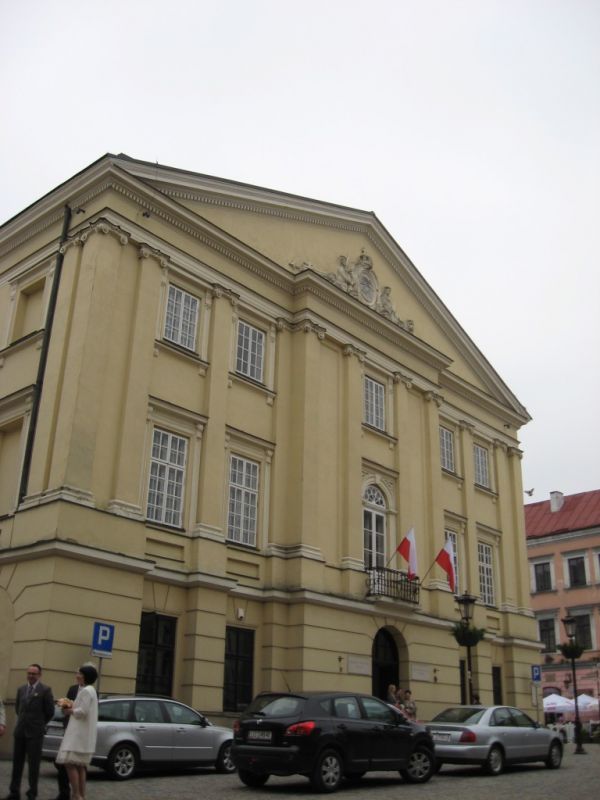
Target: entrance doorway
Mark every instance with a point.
(385, 660)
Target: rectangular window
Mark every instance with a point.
(243, 501)
(543, 577)
(486, 573)
(374, 403)
(181, 318)
(167, 477)
(156, 654)
(482, 475)
(547, 631)
(250, 352)
(583, 631)
(239, 667)
(447, 449)
(577, 571)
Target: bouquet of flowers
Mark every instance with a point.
(64, 702)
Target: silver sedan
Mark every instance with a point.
(492, 737)
(149, 731)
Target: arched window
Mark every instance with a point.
(374, 510)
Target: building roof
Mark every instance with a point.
(578, 512)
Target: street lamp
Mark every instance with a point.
(573, 651)
(466, 603)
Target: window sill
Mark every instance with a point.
(246, 548)
(544, 591)
(163, 526)
(486, 490)
(235, 377)
(183, 352)
(379, 432)
(449, 474)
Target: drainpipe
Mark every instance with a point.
(37, 389)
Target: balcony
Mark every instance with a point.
(384, 582)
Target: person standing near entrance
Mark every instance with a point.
(34, 708)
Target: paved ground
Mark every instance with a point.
(578, 779)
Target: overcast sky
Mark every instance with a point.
(470, 127)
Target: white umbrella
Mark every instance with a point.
(557, 704)
(586, 701)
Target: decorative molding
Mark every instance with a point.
(100, 225)
(81, 553)
(354, 564)
(288, 551)
(123, 509)
(308, 326)
(400, 377)
(465, 425)
(352, 350)
(203, 531)
(435, 398)
(67, 494)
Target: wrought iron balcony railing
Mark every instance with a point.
(385, 582)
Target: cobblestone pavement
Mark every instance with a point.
(578, 779)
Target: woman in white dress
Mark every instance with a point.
(79, 741)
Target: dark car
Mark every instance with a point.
(151, 732)
(327, 736)
(492, 736)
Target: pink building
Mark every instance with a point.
(563, 547)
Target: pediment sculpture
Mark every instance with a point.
(360, 281)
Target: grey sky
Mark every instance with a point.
(471, 128)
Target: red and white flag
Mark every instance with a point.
(408, 550)
(445, 558)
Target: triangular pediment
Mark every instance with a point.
(349, 249)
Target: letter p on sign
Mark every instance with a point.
(102, 639)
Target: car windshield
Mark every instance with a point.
(271, 705)
(464, 715)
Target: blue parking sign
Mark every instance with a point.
(102, 639)
(536, 673)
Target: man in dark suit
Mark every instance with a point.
(64, 789)
(34, 708)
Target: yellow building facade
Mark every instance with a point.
(221, 409)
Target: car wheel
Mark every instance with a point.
(327, 773)
(554, 756)
(224, 761)
(420, 767)
(253, 779)
(494, 763)
(122, 762)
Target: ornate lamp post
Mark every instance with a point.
(467, 636)
(572, 651)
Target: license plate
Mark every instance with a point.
(260, 736)
(440, 737)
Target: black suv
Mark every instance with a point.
(328, 736)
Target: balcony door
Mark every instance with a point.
(374, 513)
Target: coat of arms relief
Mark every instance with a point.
(359, 280)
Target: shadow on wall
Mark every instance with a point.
(7, 626)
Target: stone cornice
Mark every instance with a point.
(59, 548)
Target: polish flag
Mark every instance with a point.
(408, 550)
(445, 558)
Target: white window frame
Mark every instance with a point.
(544, 618)
(243, 502)
(374, 403)
(481, 463)
(447, 449)
(532, 565)
(168, 463)
(181, 318)
(567, 574)
(451, 534)
(588, 612)
(485, 566)
(250, 351)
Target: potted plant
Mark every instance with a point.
(467, 635)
